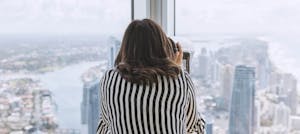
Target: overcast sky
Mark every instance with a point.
(111, 16)
(238, 16)
(193, 17)
(64, 16)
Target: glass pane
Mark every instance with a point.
(245, 62)
(52, 54)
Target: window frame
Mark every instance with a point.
(161, 11)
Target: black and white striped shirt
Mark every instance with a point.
(166, 107)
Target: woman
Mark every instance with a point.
(148, 92)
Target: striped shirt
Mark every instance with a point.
(165, 107)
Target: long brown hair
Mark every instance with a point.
(145, 53)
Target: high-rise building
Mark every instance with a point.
(256, 116)
(242, 101)
(295, 121)
(284, 85)
(209, 125)
(209, 128)
(114, 49)
(275, 83)
(215, 71)
(290, 85)
(203, 64)
(226, 84)
(282, 116)
(90, 109)
(264, 70)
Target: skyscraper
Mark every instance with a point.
(264, 70)
(209, 125)
(209, 128)
(242, 101)
(90, 109)
(282, 116)
(114, 49)
(290, 85)
(226, 84)
(276, 83)
(203, 64)
(285, 86)
(256, 115)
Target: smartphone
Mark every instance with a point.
(186, 61)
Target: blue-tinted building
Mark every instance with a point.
(114, 49)
(203, 65)
(242, 101)
(209, 128)
(90, 109)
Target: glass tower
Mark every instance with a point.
(90, 109)
(242, 101)
(114, 49)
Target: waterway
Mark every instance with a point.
(67, 88)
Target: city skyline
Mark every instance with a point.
(245, 59)
(212, 82)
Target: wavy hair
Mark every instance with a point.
(145, 53)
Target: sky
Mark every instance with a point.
(111, 16)
(266, 17)
(64, 16)
(238, 16)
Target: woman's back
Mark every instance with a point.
(165, 107)
(129, 105)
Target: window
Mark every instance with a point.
(234, 40)
(52, 53)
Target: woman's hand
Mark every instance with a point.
(179, 55)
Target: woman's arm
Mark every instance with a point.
(195, 124)
(103, 123)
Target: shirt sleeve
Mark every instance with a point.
(194, 123)
(103, 124)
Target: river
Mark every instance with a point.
(67, 87)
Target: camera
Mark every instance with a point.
(186, 56)
(186, 61)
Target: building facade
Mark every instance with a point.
(241, 119)
(90, 109)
